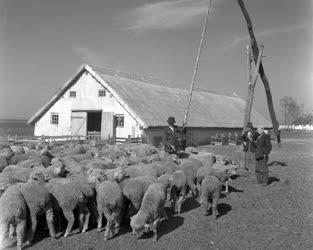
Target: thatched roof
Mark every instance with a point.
(153, 101)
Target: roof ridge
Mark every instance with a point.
(152, 80)
(133, 76)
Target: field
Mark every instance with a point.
(279, 216)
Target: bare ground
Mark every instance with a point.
(279, 216)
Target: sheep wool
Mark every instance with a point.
(110, 204)
(39, 201)
(210, 193)
(13, 214)
(151, 211)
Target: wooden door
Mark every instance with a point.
(79, 123)
(107, 128)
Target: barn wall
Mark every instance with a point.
(86, 100)
(200, 136)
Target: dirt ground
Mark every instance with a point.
(279, 216)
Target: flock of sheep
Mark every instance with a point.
(115, 181)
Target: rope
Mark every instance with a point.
(197, 63)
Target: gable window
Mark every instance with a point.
(73, 94)
(55, 118)
(101, 92)
(119, 121)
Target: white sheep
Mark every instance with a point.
(141, 170)
(210, 193)
(13, 214)
(151, 211)
(164, 167)
(6, 153)
(178, 190)
(39, 201)
(71, 194)
(190, 168)
(134, 191)
(219, 170)
(110, 203)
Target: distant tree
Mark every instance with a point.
(304, 119)
(291, 110)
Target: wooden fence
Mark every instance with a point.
(225, 139)
(91, 136)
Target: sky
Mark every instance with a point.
(43, 42)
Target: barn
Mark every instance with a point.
(118, 104)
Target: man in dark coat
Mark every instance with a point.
(170, 136)
(248, 147)
(263, 148)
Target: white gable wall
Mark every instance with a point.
(87, 99)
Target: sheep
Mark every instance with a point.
(141, 170)
(178, 190)
(164, 167)
(110, 203)
(7, 180)
(134, 191)
(30, 163)
(39, 201)
(151, 211)
(16, 158)
(210, 193)
(84, 156)
(219, 170)
(57, 169)
(223, 159)
(190, 168)
(18, 150)
(7, 153)
(71, 194)
(4, 146)
(13, 214)
(17, 172)
(201, 156)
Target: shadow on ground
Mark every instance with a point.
(223, 209)
(277, 163)
(189, 204)
(166, 226)
(272, 179)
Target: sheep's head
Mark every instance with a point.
(96, 175)
(139, 225)
(120, 175)
(37, 177)
(59, 168)
(231, 170)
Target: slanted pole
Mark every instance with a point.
(251, 87)
(255, 52)
(196, 66)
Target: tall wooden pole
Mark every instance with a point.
(251, 88)
(249, 77)
(255, 52)
(196, 66)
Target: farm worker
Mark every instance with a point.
(263, 148)
(170, 135)
(248, 147)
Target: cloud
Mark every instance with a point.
(265, 33)
(165, 15)
(86, 54)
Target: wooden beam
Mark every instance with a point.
(255, 53)
(251, 88)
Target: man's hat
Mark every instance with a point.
(249, 125)
(171, 119)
